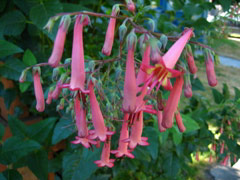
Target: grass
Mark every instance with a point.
(227, 47)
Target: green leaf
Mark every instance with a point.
(3, 5)
(177, 136)
(218, 97)
(2, 129)
(171, 165)
(24, 86)
(69, 7)
(18, 128)
(142, 153)
(12, 174)
(226, 92)
(225, 4)
(55, 164)
(40, 13)
(189, 123)
(12, 69)
(75, 166)
(197, 84)
(63, 130)
(8, 48)
(237, 93)
(28, 58)
(2, 177)
(152, 135)
(40, 131)
(38, 163)
(13, 23)
(15, 148)
(9, 96)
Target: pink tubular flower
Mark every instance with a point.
(136, 132)
(81, 123)
(179, 122)
(130, 87)
(57, 52)
(210, 158)
(211, 76)
(222, 148)
(40, 106)
(197, 156)
(187, 86)
(172, 55)
(105, 157)
(190, 60)
(123, 146)
(225, 160)
(130, 5)
(107, 47)
(172, 103)
(100, 130)
(159, 117)
(49, 98)
(78, 70)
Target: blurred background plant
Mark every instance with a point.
(44, 147)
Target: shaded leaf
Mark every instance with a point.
(40, 13)
(12, 69)
(24, 86)
(2, 130)
(63, 130)
(177, 136)
(15, 148)
(13, 23)
(78, 167)
(9, 95)
(218, 97)
(12, 174)
(171, 165)
(38, 163)
(8, 48)
(28, 58)
(18, 128)
(189, 123)
(152, 135)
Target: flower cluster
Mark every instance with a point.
(156, 69)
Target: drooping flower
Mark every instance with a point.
(190, 60)
(210, 158)
(105, 156)
(130, 5)
(172, 103)
(159, 118)
(58, 89)
(222, 148)
(123, 146)
(58, 47)
(211, 76)
(136, 132)
(172, 55)
(214, 147)
(109, 38)
(130, 87)
(197, 156)
(225, 160)
(49, 98)
(81, 123)
(179, 122)
(78, 70)
(40, 106)
(187, 86)
(100, 130)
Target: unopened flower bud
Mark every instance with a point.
(164, 40)
(118, 72)
(151, 24)
(61, 104)
(122, 32)
(187, 86)
(131, 40)
(55, 74)
(155, 51)
(66, 21)
(51, 23)
(91, 65)
(211, 76)
(23, 76)
(130, 5)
